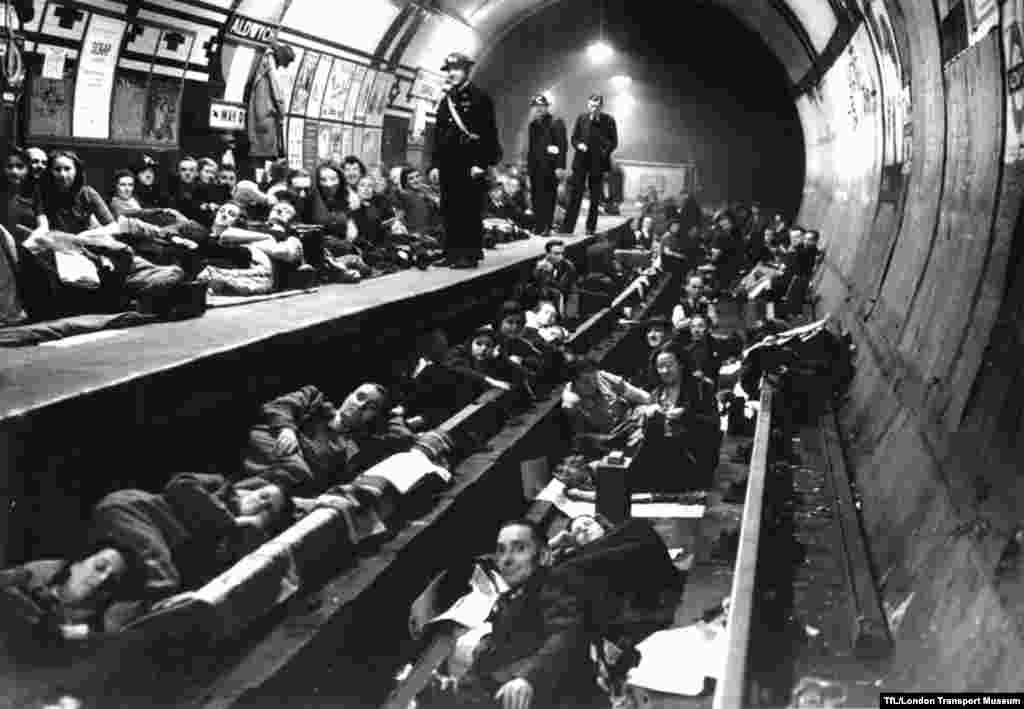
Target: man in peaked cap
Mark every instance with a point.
(545, 160)
(595, 137)
(466, 144)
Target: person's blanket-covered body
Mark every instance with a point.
(627, 586)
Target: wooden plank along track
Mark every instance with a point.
(731, 691)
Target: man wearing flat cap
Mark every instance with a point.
(466, 144)
(545, 160)
(595, 137)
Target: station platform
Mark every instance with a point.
(131, 407)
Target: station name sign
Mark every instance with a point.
(246, 28)
(226, 116)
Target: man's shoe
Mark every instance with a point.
(465, 264)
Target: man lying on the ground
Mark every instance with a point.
(304, 443)
(141, 548)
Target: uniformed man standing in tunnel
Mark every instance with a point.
(595, 137)
(466, 145)
(545, 160)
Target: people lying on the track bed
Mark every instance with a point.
(305, 443)
(141, 548)
(536, 653)
(510, 325)
(429, 390)
(554, 274)
(545, 334)
(602, 408)
(693, 301)
(622, 586)
(481, 364)
(681, 434)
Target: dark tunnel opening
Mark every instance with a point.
(703, 87)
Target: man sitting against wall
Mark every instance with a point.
(600, 407)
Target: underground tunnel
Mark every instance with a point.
(893, 127)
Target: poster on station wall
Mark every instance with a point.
(353, 93)
(49, 103)
(130, 89)
(310, 139)
(303, 80)
(337, 90)
(370, 146)
(379, 97)
(346, 140)
(286, 78)
(363, 101)
(296, 127)
(160, 121)
(1013, 55)
(316, 91)
(95, 81)
(357, 141)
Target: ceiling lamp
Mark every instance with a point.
(600, 52)
(621, 82)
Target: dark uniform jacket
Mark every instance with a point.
(546, 131)
(451, 145)
(539, 634)
(601, 137)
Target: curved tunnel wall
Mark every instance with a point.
(920, 240)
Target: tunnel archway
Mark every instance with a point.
(702, 87)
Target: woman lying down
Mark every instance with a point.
(142, 548)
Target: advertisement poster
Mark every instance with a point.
(370, 150)
(296, 127)
(379, 97)
(316, 92)
(300, 96)
(286, 78)
(346, 140)
(175, 46)
(130, 89)
(160, 122)
(95, 81)
(363, 102)
(357, 141)
(353, 93)
(310, 140)
(1013, 55)
(337, 90)
(49, 105)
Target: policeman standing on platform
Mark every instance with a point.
(595, 137)
(545, 162)
(466, 145)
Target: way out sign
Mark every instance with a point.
(225, 116)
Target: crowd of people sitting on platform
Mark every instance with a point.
(71, 248)
(305, 452)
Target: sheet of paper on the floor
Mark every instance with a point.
(83, 338)
(666, 510)
(676, 661)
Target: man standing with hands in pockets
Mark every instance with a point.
(466, 145)
(595, 138)
(545, 161)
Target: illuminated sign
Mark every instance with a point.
(252, 30)
(226, 116)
